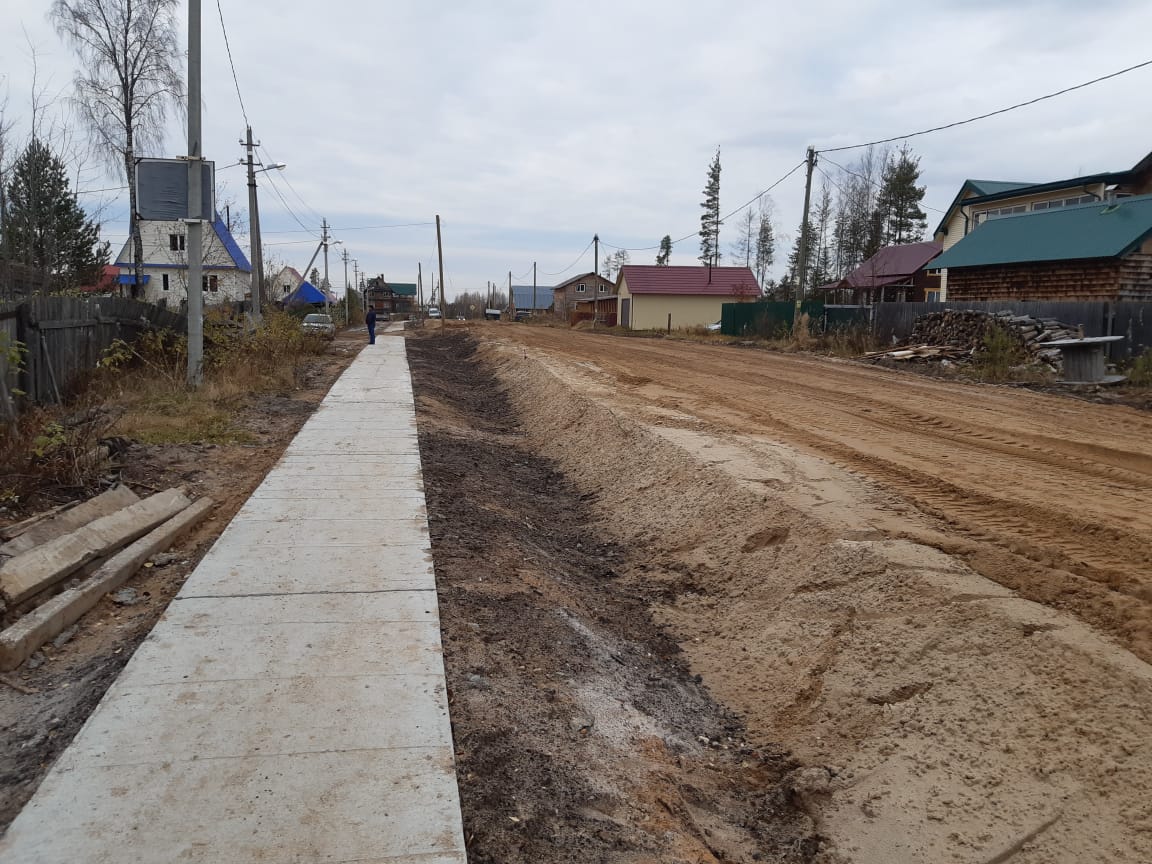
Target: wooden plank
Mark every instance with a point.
(67, 324)
(59, 524)
(20, 641)
(39, 569)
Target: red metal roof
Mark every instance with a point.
(714, 281)
(891, 264)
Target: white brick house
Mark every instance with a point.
(227, 274)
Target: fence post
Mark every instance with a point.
(669, 323)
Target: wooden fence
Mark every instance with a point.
(64, 337)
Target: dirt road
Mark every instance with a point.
(1049, 496)
(933, 596)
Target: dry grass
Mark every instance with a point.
(140, 393)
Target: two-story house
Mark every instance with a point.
(979, 201)
(226, 277)
(586, 286)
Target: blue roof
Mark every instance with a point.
(1102, 229)
(306, 294)
(130, 279)
(522, 295)
(230, 244)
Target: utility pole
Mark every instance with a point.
(254, 237)
(802, 267)
(533, 288)
(511, 304)
(420, 290)
(596, 259)
(347, 292)
(324, 242)
(356, 276)
(440, 254)
(195, 205)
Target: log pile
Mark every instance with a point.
(56, 567)
(960, 334)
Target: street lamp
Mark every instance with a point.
(257, 251)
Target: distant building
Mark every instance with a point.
(649, 296)
(390, 298)
(586, 286)
(226, 275)
(894, 274)
(285, 282)
(531, 300)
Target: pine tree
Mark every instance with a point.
(899, 217)
(44, 226)
(314, 277)
(710, 218)
(820, 271)
(765, 245)
(665, 253)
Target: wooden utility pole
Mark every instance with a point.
(533, 288)
(195, 247)
(802, 267)
(596, 258)
(511, 304)
(440, 255)
(419, 291)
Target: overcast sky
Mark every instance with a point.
(529, 126)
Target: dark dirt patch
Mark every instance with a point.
(580, 734)
(70, 680)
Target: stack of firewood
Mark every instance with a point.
(968, 329)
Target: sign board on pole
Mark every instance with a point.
(162, 189)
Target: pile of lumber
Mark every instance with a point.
(56, 566)
(921, 352)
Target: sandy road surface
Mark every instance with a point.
(1049, 496)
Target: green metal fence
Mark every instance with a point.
(767, 319)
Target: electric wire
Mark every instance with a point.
(743, 206)
(285, 178)
(228, 48)
(579, 258)
(990, 113)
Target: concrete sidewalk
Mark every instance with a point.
(290, 706)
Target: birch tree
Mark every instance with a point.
(128, 82)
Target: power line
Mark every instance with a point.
(228, 48)
(991, 113)
(573, 264)
(285, 178)
(747, 203)
(291, 212)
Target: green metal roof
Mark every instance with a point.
(995, 187)
(403, 289)
(1097, 230)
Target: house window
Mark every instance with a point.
(581, 288)
(176, 242)
(164, 281)
(603, 289)
(1064, 202)
(999, 212)
(209, 283)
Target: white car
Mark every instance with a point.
(318, 324)
(433, 311)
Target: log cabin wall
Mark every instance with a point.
(1128, 278)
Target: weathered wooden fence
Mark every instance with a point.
(893, 322)
(64, 337)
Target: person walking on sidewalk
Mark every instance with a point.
(370, 320)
